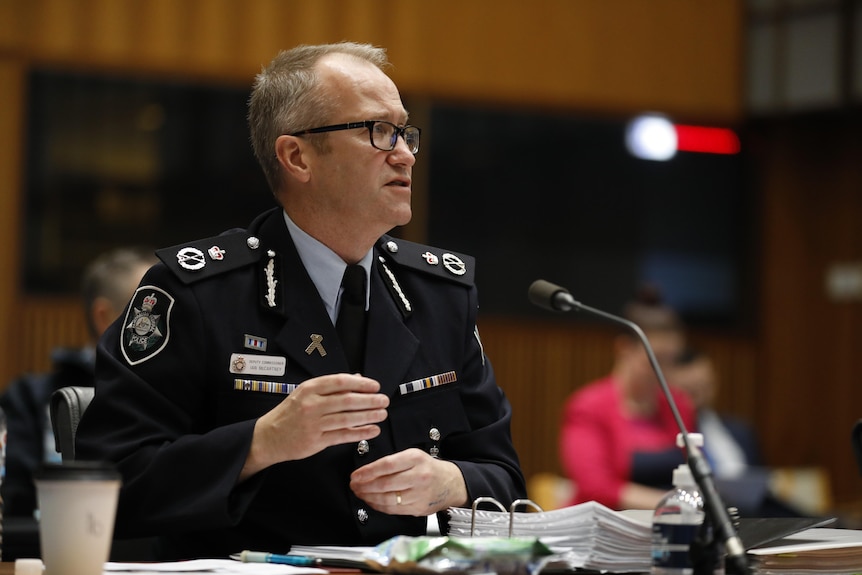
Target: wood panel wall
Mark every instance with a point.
(11, 161)
(672, 55)
(810, 176)
(45, 323)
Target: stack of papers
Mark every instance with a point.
(829, 551)
(588, 535)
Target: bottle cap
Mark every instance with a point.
(696, 439)
(682, 475)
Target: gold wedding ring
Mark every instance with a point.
(397, 498)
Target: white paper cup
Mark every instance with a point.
(77, 506)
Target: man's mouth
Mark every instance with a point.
(400, 182)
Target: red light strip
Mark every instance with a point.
(706, 140)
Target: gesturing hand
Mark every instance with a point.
(324, 411)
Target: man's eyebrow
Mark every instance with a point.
(404, 116)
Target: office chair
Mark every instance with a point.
(67, 407)
(856, 439)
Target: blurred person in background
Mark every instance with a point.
(729, 444)
(618, 434)
(106, 288)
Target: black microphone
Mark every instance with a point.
(551, 296)
(555, 298)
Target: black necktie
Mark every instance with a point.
(351, 317)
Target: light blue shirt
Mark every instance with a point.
(326, 268)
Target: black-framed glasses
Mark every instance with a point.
(383, 135)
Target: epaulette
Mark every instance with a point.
(205, 258)
(453, 266)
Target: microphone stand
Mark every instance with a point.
(736, 561)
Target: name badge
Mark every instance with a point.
(273, 365)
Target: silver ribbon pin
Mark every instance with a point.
(316, 344)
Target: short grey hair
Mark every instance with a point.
(286, 98)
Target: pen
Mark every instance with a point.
(298, 560)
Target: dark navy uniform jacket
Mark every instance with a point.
(217, 335)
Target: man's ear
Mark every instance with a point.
(292, 154)
(102, 314)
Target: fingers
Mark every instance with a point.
(385, 471)
(347, 413)
(410, 482)
(407, 502)
(385, 484)
(322, 412)
(340, 402)
(341, 383)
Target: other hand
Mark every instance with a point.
(410, 482)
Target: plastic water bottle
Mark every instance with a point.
(676, 524)
(2, 471)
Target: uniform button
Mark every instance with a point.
(362, 515)
(362, 447)
(392, 247)
(434, 434)
(253, 242)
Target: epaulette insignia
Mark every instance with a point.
(271, 269)
(446, 264)
(391, 282)
(205, 258)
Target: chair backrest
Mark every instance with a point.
(856, 440)
(67, 406)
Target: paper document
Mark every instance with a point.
(821, 550)
(209, 566)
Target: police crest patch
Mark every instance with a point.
(146, 327)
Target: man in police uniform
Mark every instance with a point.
(226, 394)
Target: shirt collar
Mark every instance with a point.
(325, 267)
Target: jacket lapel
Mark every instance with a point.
(307, 335)
(391, 346)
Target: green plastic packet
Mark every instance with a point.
(501, 555)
